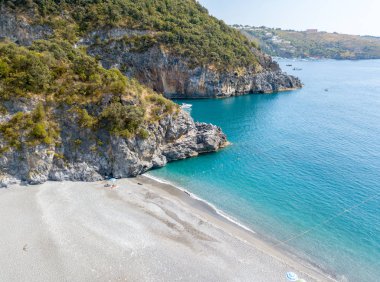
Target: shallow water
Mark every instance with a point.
(298, 159)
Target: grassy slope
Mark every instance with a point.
(54, 73)
(184, 27)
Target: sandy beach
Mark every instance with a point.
(141, 231)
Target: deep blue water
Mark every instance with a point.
(298, 158)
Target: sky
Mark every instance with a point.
(360, 17)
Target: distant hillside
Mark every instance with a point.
(313, 44)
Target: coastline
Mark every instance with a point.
(237, 229)
(142, 230)
(210, 208)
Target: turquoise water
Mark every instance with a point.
(297, 159)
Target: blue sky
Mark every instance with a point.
(344, 16)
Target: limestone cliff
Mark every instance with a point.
(173, 76)
(92, 154)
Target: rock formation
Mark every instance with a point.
(171, 75)
(99, 154)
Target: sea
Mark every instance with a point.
(303, 170)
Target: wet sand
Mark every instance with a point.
(143, 230)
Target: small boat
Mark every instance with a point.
(186, 106)
(326, 90)
(289, 65)
(297, 69)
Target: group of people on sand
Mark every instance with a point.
(113, 185)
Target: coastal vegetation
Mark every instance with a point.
(172, 46)
(30, 129)
(53, 73)
(312, 44)
(183, 27)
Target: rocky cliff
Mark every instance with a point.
(65, 117)
(19, 30)
(138, 53)
(172, 75)
(93, 154)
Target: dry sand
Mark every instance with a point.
(68, 231)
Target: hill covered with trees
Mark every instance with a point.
(183, 26)
(172, 46)
(64, 117)
(312, 44)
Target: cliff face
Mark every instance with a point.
(19, 30)
(159, 68)
(91, 155)
(172, 76)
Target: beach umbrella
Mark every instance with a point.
(291, 276)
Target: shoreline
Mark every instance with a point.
(240, 231)
(283, 90)
(142, 230)
(212, 208)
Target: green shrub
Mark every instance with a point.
(77, 142)
(3, 110)
(59, 156)
(4, 68)
(85, 120)
(143, 133)
(39, 131)
(29, 129)
(39, 113)
(164, 104)
(121, 119)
